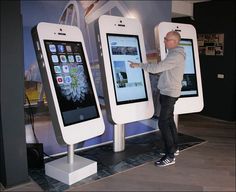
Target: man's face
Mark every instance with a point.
(170, 41)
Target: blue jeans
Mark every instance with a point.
(167, 125)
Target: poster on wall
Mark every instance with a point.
(211, 44)
(84, 15)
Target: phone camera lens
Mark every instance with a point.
(120, 21)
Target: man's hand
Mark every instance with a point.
(134, 65)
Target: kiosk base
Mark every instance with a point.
(70, 173)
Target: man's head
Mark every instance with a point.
(172, 39)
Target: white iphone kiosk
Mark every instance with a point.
(71, 96)
(127, 91)
(191, 99)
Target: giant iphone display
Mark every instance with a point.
(191, 99)
(127, 91)
(68, 83)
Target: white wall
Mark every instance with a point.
(183, 8)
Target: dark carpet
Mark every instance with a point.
(138, 150)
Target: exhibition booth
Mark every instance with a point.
(82, 96)
(70, 90)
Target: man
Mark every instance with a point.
(169, 83)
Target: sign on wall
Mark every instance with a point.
(211, 44)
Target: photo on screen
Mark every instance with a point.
(71, 81)
(129, 84)
(121, 74)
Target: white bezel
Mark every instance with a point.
(124, 113)
(187, 31)
(80, 131)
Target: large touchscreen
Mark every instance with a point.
(189, 83)
(71, 80)
(129, 84)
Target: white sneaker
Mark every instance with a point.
(176, 153)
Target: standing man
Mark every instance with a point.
(170, 84)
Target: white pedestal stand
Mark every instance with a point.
(119, 138)
(70, 169)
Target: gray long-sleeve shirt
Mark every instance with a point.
(171, 69)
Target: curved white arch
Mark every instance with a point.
(83, 20)
(75, 13)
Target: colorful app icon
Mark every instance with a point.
(71, 58)
(55, 59)
(68, 48)
(65, 68)
(52, 48)
(78, 58)
(63, 58)
(61, 48)
(57, 69)
(68, 79)
(60, 80)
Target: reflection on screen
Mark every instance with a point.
(189, 83)
(71, 80)
(129, 84)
